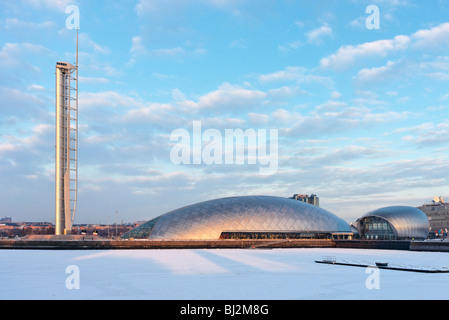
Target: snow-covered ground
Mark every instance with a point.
(218, 274)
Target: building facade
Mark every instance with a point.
(393, 223)
(248, 217)
(438, 214)
(312, 199)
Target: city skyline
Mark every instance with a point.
(360, 112)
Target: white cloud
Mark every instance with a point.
(290, 46)
(295, 74)
(176, 52)
(440, 76)
(228, 99)
(236, 8)
(299, 24)
(152, 6)
(439, 64)
(315, 36)
(91, 80)
(20, 102)
(108, 99)
(163, 76)
(60, 5)
(432, 38)
(393, 3)
(43, 128)
(137, 46)
(335, 95)
(86, 41)
(12, 54)
(359, 23)
(169, 52)
(444, 97)
(36, 87)
(427, 134)
(14, 23)
(6, 147)
(232, 98)
(257, 118)
(285, 92)
(348, 55)
(331, 118)
(377, 74)
(224, 3)
(138, 49)
(239, 44)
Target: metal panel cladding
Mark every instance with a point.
(407, 222)
(207, 220)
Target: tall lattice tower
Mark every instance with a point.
(66, 145)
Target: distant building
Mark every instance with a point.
(438, 213)
(313, 199)
(5, 220)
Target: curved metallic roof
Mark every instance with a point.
(207, 220)
(407, 222)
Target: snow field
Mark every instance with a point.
(223, 274)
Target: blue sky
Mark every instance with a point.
(362, 114)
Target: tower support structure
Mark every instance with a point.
(66, 164)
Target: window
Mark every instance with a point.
(374, 228)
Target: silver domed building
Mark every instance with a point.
(394, 223)
(247, 217)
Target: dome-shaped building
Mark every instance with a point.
(394, 223)
(247, 217)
